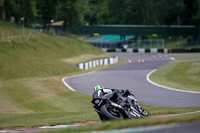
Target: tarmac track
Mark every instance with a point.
(132, 76)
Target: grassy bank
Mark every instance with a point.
(114, 125)
(40, 56)
(41, 101)
(38, 101)
(31, 71)
(183, 73)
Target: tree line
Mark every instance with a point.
(145, 12)
(93, 12)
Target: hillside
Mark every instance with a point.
(37, 54)
(31, 72)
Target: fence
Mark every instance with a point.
(16, 34)
(6, 38)
(147, 44)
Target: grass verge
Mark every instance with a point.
(38, 101)
(183, 73)
(114, 125)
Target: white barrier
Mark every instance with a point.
(90, 64)
(111, 60)
(86, 66)
(141, 50)
(94, 63)
(105, 61)
(101, 62)
(81, 66)
(154, 50)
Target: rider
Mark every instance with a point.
(115, 94)
(111, 93)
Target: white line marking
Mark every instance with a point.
(60, 126)
(182, 114)
(171, 58)
(129, 61)
(165, 87)
(68, 86)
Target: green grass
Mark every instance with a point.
(41, 56)
(86, 57)
(34, 102)
(41, 101)
(31, 71)
(114, 125)
(9, 31)
(182, 74)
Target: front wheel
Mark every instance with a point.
(144, 112)
(110, 113)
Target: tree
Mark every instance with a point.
(18, 9)
(169, 12)
(102, 14)
(196, 16)
(2, 5)
(189, 12)
(24, 9)
(46, 10)
(116, 9)
(90, 14)
(72, 12)
(140, 12)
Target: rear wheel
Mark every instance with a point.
(110, 113)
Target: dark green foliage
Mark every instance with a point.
(46, 10)
(148, 12)
(18, 9)
(71, 12)
(92, 12)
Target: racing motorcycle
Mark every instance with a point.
(110, 107)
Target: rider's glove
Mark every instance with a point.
(126, 92)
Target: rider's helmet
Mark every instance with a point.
(98, 87)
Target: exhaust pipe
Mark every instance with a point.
(117, 105)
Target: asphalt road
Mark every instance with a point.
(132, 76)
(192, 127)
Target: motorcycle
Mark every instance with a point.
(110, 107)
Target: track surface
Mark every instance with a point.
(133, 77)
